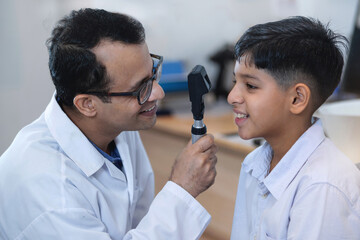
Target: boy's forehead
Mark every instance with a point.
(247, 59)
(250, 71)
(242, 65)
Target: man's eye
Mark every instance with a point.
(249, 86)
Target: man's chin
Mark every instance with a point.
(148, 125)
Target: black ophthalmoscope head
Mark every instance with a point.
(198, 84)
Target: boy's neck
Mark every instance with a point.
(282, 144)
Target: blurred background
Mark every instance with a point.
(186, 32)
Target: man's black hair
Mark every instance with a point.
(296, 49)
(73, 66)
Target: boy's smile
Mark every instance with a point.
(259, 103)
(240, 118)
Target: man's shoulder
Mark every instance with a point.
(31, 140)
(35, 162)
(33, 153)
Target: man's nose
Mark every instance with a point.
(157, 92)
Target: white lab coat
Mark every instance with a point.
(55, 185)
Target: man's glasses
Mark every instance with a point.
(144, 91)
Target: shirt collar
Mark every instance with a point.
(114, 153)
(288, 167)
(257, 163)
(72, 141)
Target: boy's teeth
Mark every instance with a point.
(240, 115)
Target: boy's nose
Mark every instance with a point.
(235, 96)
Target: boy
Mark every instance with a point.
(297, 185)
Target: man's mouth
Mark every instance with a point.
(148, 110)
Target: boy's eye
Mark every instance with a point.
(249, 86)
(234, 81)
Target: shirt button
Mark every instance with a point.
(265, 195)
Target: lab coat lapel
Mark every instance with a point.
(123, 148)
(115, 172)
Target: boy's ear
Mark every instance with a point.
(300, 97)
(85, 104)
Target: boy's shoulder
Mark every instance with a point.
(328, 161)
(328, 165)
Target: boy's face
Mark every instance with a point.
(260, 105)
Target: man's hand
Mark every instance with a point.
(194, 168)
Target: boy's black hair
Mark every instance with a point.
(73, 66)
(296, 49)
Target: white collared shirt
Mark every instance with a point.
(313, 193)
(55, 185)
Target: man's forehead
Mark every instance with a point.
(104, 49)
(109, 52)
(126, 64)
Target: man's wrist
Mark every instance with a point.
(188, 190)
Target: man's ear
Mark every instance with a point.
(300, 97)
(85, 104)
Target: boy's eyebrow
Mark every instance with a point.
(244, 75)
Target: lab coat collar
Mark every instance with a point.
(289, 166)
(72, 141)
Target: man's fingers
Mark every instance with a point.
(214, 159)
(205, 142)
(211, 151)
(189, 143)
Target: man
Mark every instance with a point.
(80, 171)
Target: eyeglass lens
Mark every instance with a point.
(146, 91)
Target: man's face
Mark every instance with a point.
(259, 103)
(128, 66)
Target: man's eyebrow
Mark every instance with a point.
(138, 84)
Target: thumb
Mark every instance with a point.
(189, 143)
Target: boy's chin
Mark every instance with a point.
(245, 137)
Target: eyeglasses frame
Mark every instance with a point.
(142, 86)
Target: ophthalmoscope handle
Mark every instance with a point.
(198, 130)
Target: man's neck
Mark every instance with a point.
(90, 128)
